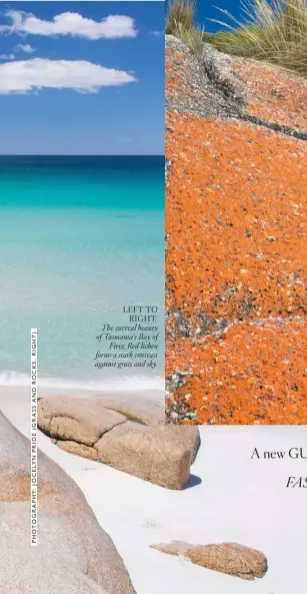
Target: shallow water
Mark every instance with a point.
(79, 238)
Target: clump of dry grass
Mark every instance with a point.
(273, 31)
(181, 13)
(181, 23)
(193, 38)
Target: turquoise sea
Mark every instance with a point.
(80, 237)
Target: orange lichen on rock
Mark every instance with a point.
(237, 220)
(253, 374)
(173, 79)
(236, 269)
(273, 94)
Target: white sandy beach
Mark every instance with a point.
(231, 498)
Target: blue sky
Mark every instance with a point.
(77, 85)
(208, 10)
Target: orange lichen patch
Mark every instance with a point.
(176, 65)
(236, 221)
(236, 229)
(274, 94)
(254, 374)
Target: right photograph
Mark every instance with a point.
(236, 220)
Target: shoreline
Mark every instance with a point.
(123, 384)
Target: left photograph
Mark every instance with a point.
(82, 279)
(82, 192)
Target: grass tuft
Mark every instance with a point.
(181, 14)
(181, 23)
(274, 32)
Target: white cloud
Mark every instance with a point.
(70, 23)
(27, 48)
(29, 75)
(157, 33)
(7, 56)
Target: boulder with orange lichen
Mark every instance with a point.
(236, 230)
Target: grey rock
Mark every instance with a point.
(74, 419)
(135, 440)
(229, 557)
(147, 452)
(73, 554)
